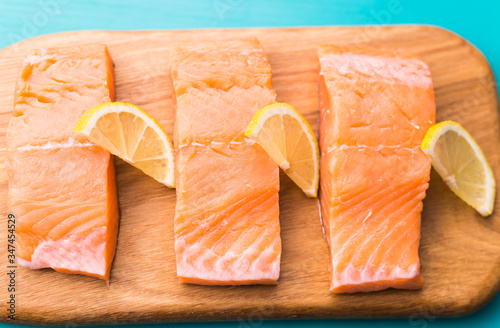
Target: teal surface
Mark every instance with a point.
(476, 21)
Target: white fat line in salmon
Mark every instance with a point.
(246, 141)
(365, 61)
(55, 145)
(231, 51)
(363, 147)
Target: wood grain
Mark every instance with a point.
(460, 250)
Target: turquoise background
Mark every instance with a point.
(476, 21)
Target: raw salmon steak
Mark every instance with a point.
(227, 216)
(62, 188)
(376, 106)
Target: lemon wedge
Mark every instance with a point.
(287, 137)
(462, 165)
(130, 133)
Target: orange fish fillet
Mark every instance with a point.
(227, 217)
(62, 187)
(376, 106)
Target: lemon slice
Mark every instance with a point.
(130, 133)
(462, 165)
(287, 137)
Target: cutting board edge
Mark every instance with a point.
(288, 314)
(437, 28)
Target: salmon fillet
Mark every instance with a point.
(62, 188)
(376, 106)
(227, 216)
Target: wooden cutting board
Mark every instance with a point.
(460, 250)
